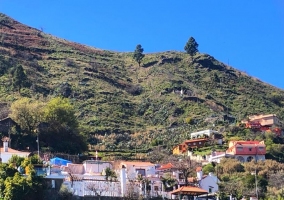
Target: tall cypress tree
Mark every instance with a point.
(191, 47)
(138, 54)
(19, 77)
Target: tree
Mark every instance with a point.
(61, 133)
(191, 46)
(13, 185)
(27, 113)
(208, 168)
(185, 166)
(61, 111)
(138, 54)
(19, 77)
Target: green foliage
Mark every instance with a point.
(208, 168)
(108, 98)
(16, 160)
(110, 175)
(19, 77)
(27, 113)
(61, 111)
(191, 47)
(138, 54)
(65, 194)
(32, 160)
(14, 186)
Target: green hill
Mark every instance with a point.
(121, 105)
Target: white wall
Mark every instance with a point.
(5, 156)
(209, 181)
(96, 166)
(131, 171)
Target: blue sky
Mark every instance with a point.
(246, 34)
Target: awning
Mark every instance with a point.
(189, 190)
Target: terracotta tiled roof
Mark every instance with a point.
(142, 164)
(189, 190)
(166, 166)
(198, 169)
(13, 151)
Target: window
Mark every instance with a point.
(156, 188)
(210, 190)
(194, 143)
(141, 171)
(260, 148)
(239, 148)
(250, 149)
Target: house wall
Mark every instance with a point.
(5, 156)
(96, 166)
(210, 181)
(196, 144)
(266, 120)
(248, 158)
(217, 158)
(247, 148)
(201, 133)
(131, 171)
(176, 150)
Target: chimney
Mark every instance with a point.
(199, 173)
(123, 180)
(5, 143)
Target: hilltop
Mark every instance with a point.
(121, 105)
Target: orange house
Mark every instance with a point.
(245, 151)
(263, 120)
(189, 144)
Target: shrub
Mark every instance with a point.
(134, 89)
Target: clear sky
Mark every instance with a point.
(246, 34)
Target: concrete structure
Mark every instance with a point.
(201, 134)
(7, 153)
(245, 151)
(217, 156)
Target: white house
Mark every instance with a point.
(198, 134)
(145, 169)
(88, 179)
(209, 182)
(7, 153)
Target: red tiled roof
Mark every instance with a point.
(166, 166)
(13, 151)
(189, 190)
(198, 169)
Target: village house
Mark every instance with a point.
(245, 151)
(7, 153)
(207, 182)
(198, 140)
(6, 124)
(189, 145)
(264, 123)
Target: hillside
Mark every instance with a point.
(121, 105)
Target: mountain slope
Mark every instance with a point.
(138, 105)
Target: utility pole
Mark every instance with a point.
(37, 144)
(256, 190)
(255, 175)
